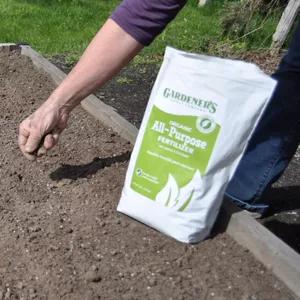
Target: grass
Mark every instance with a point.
(52, 26)
(55, 27)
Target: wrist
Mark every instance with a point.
(60, 102)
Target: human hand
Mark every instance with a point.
(40, 132)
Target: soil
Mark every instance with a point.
(61, 237)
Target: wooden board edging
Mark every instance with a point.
(272, 252)
(276, 255)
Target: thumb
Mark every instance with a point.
(33, 142)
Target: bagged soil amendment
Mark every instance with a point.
(201, 113)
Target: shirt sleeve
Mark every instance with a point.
(145, 19)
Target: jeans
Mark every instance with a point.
(275, 139)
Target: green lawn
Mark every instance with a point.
(53, 26)
(66, 27)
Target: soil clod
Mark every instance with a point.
(93, 275)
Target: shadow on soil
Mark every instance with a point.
(290, 233)
(84, 171)
(283, 218)
(283, 199)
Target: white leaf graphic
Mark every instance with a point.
(169, 193)
(189, 192)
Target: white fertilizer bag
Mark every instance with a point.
(201, 113)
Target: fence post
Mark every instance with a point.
(203, 2)
(285, 24)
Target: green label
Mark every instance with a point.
(174, 150)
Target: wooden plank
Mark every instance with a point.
(203, 2)
(8, 47)
(277, 256)
(110, 117)
(285, 24)
(92, 104)
(42, 63)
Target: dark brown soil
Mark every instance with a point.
(61, 237)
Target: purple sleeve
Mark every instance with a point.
(145, 19)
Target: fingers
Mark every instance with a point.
(39, 132)
(29, 137)
(51, 139)
(41, 151)
(49, 142)
(23, 136)
(24, 133)
(31, 157)
(30, 141)
(33, 142)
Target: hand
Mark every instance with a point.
(100, 61)
(39, 132)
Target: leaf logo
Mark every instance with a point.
(139, 172)
(205, 124)
(176, 198)
(168, 195)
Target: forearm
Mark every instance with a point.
(134, 23)
(110, 50)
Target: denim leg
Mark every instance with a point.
(275, 139)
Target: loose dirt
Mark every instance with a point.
(61, 237)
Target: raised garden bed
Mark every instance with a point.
(61, 237)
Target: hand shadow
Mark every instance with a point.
(74, 172)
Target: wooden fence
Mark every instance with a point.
(285, 24)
